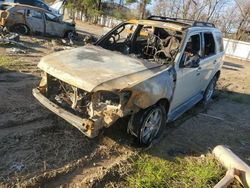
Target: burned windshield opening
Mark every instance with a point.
(143, 41)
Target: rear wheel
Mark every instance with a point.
(210, 91)
(21, 29)
(147, 124)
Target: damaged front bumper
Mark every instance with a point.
(88, 127)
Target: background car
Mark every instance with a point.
(54, 8)
(25, 19)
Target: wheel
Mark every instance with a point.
(147, 124)
(72, 35)
(210, 90)
(21, 29)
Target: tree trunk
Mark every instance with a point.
(99, 4)
(143, 8)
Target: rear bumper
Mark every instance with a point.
(86, 126)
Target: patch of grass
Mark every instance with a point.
(187, 172)
(6, 61)
(11, 63)
(239, 98)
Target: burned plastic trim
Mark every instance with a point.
(103, 109)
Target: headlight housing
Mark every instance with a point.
(113, 98)
(109, 98)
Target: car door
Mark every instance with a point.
(35, 21)
(187, 76)
(208, 61)
(53, 25)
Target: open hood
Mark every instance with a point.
(93, 68)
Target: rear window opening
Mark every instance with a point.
(209, 44)
(4, 7)
(219, 40)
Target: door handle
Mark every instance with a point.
(198, 71)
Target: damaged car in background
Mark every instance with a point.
(55, 8)
(25, 19)
(150, 70)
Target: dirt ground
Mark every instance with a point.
(39, 149)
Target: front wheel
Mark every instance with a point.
(71, 35)
(147, 124)
(209, 93)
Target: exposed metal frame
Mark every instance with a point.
(188, 22)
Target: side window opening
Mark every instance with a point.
(34, 14)
(219, 40)
(51, 17)
(155, 44)
(20, 11)
(192, 52)
(209, 48)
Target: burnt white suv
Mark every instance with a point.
(150, 70)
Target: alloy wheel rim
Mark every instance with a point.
(22, 29)
(210, 91)
(151, 125)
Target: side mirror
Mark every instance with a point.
(195, 63)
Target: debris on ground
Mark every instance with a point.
(6, 35)
(16, 51)
(17, 167)
(9, 38)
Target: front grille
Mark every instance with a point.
(69, 97)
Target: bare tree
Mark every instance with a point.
(243, 27)
(224, 13)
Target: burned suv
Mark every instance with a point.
(150, 70)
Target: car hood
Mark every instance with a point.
(57, 6)
(93, 68)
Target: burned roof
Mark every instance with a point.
(154, 23)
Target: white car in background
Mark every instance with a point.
(55, 8)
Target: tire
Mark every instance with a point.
(21, 29)
(210, 90)
(70, 35)
(147, 124)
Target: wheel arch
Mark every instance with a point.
(66, 33)
(166, 104)
(217, 74)
(24, 24)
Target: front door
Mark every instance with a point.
(34, 20)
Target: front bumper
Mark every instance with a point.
(88, 127)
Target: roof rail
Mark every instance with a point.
(190, 22)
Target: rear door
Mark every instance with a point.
(209, 60)
(188, 78)
(35, 21)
